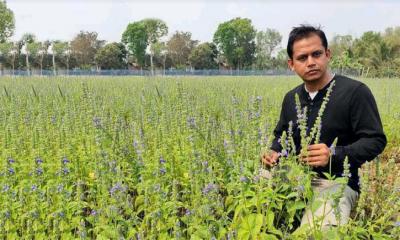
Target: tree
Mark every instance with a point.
(280, 61)
(142, 35)
(5, 49)
(345, 61)
(391, 37)
(111, 56)
(84, 47)
(42, 53)
(135, 38)
(179, 47)
(7, 22)
(31, 50)
(61, 53)
(267, 43)
(340, 44)
(58, 49)
(235, 40)
(341, 47)
(160, 53)
(9, 52)
(204, 56)
(371, 51)
(28, 41)
(155, 29)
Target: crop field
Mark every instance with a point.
(170, 158)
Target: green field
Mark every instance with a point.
(167, 158)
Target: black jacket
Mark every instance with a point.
(351, 115)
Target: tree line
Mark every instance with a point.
(236, 45)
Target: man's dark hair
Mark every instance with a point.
(304, 31)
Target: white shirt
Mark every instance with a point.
(313, 94)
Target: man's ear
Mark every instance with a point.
(290, 64)
(328, 53)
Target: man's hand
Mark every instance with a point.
(270, 158)
(317, 155)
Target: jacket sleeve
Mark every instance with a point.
(367, 127)
(281, 126)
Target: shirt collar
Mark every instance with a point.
(321, 92)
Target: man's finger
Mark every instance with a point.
(313, 159)
(264, 156)
(271, 161)
(266, 162)
(314, 153)
(317, 146)
(314, 164)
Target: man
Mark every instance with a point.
(351, 116)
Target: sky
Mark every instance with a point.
(63, 19)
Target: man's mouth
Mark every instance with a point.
(312, 72)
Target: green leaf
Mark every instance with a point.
(201, 233)
(243, 234)
(270, 220)
(229, 201)
(328, 176)
(292, 195)
(296, 206)
(238, 211)
(101, 237)
(251, 226)
(301, 232)
(139, 201)
(332, 233)
(267, 236)
(270, 224)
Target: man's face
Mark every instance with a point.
(310, 59)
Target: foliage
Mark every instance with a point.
(267, 43)
(111, 56)
(179, 47)
(8, 54)
(238, 46)
(160, 55)
(344, 61)
(235, 40)
(84, 47)
(129, 158)
(155, 28)
(42, 53)
(135, 37)
(373, 54)
(7, 22)
(204, 56)
(61, 52)
(143, 34)
(5, 50)
(28, 38)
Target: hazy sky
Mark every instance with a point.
(63, 19)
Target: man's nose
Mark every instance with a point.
(310, 61)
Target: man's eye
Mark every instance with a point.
(317, 54)
(302, 58)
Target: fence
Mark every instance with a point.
(169, 72)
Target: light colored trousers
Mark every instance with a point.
(325, 213)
